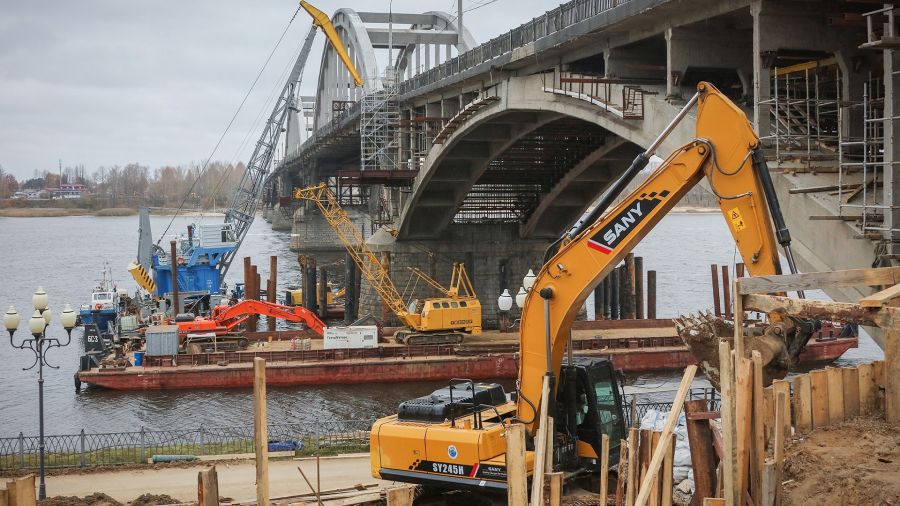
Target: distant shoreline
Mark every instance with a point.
(59, 212)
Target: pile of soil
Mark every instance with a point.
(153, 500)
(95, 499)
(854, 463)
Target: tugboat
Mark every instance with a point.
(104, 304)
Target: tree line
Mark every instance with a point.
(136, 185)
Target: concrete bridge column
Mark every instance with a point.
(494, 256)
(704, 48)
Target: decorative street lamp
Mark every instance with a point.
(40, 344)
(504, 304)
(527, 283)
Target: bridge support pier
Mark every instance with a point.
(494, 255)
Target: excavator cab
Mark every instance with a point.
(588, 404)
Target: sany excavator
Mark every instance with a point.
(456, 437)
(225, 318)
(439, 320)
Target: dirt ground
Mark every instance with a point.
(855, 463)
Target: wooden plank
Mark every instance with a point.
(758, 442)
(632, 466)
(540, 448)
(884, 276)
(835, 395)
(743, 420)
(700, 442)
(891, 372)
(516, 470)
(781, 406)
(819, 389)
(768, 483)
(604, 468)
(729, 460)
(882, 298)
(866, 390)
(22, 491)
(656, 461)
(4, 497)
(556, 480)
(260, 431)
(668, 476)
(851, 392)
(623, 465)
(713, 501)
(782, 386)
(400, 496)
(738, 316)
(208, 487)
(769, 403)
(645, 453)
(551, 440)
(654, 484)
(802, 403)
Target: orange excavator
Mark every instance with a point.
(226, 318)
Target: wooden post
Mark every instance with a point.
(851, 392)
(714, 272)
(516, 471)
(400, 496)
(622, 472)
(768, 483)
(272, 289)
(891, 370)
(4, 497)
(663, 448)
(604, 468)
(738, 317)
(173, 258)
(866, 390)
(556, 480)
(540, 447)
(632, 466)
(21, 491)
(629, 286)
(208, 487)
(743, 419)
(551, 440)
(739, 270)
(252, 292)
(703, 457)
(726, 380)
(782, 386)
(726, 293)
(654, 484)
(260, 431)
(835, 395)
(802, 403)
(781, 406)
(645, 453)
(651, 295)
(639, 288)
(879, 378)
(668, 477)
(758, 443)
(819, 389)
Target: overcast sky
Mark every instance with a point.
(103, 83)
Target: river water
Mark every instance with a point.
(65, 257)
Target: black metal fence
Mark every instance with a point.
(90, 449)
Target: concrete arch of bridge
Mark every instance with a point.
(451, 169)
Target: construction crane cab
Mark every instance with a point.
(582, 397)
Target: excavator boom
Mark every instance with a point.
(321, 20)
(226, 318)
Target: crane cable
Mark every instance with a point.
(230, 123)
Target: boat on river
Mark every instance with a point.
(103, 307)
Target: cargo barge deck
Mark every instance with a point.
(633, 346)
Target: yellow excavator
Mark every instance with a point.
(442, 320)
(455, 437)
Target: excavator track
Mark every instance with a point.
(420, 338)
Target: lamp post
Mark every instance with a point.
(504, 304)
(40, 344)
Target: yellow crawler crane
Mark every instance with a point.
(429, 321)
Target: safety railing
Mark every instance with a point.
(637, 405)
(551, 22)
(94, 449)
(623, 98)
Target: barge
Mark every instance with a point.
(633, 346)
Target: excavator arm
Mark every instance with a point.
(232, 316)
(726, 152)
(321, 20)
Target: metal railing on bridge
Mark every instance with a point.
(551, 22)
